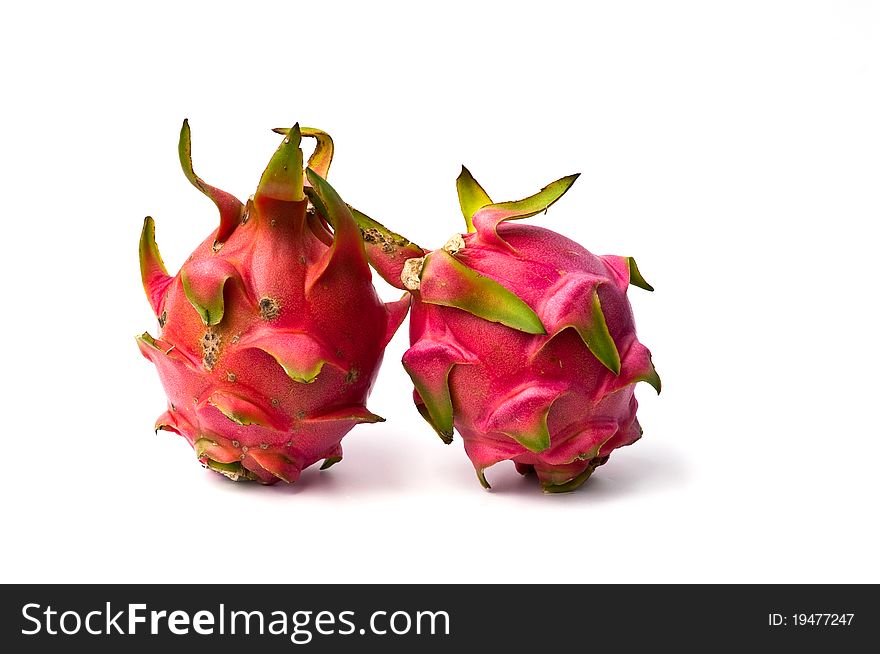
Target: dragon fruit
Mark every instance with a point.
(521, 339)
(271, 334)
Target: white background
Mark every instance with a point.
(733, 148)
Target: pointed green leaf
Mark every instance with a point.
(636, 366)
(597, 337)
(445, 436)
(203, 284)
(537, 441)
(574, 303)
(275, 464)
(230, 208)
(304, 375)
(358, 414)
(428, 363)
(570, 485)
(283, 177)
(330, 461)
(332, 206)
(154, 276)
(437, 400)
(166, 422)
(322, 157)
(522, 415)
(234, 471)
(481, 475)
(300, 354)
(202, 445)
(149, 340)
(487, 219)
(651, 377)
(448, 282)
(386, 250)
(635, 277)
(534, 204)
(239, 410)
(471, 196)
(347, 252)
(205, 447)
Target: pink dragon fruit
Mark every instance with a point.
(271, 334)
(522, 340)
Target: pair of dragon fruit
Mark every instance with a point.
(271, 335)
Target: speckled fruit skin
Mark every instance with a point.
(523, 341)
(271, 335)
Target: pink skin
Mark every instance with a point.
(319, 316)
(503, 380)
